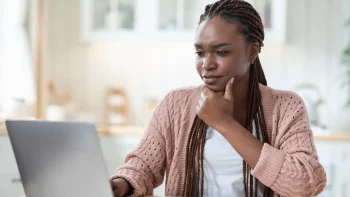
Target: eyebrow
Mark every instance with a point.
(215, 46)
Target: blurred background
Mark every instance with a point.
(110, 62)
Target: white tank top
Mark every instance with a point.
(223, 169)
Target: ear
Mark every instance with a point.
(254, 50)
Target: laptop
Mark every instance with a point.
(59, 159)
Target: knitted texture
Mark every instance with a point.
(289, 165)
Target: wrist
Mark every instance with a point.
(226, 125)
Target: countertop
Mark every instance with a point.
(137, 130)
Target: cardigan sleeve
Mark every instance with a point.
(290, 167)
(144, 167)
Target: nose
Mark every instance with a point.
(209, 63)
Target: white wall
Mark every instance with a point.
(316, 36)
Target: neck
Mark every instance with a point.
(240, 92)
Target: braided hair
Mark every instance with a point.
(249, 25)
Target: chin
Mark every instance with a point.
(215, 87)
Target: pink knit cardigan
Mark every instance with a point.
(289, 165)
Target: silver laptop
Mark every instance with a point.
(59, 159)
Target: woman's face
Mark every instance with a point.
(221, 53)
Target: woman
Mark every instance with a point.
(205, 137)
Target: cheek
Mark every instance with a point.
(228, 65)
(233, 66)
(244, 65)
(199, 66)
(240, 65)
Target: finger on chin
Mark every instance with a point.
(207, 91)
(222, 93)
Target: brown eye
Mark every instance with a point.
(200, 53)
(221, 53)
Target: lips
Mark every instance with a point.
(210, 79)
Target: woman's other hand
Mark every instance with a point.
(120, 187)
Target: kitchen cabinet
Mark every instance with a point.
(164, 19)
